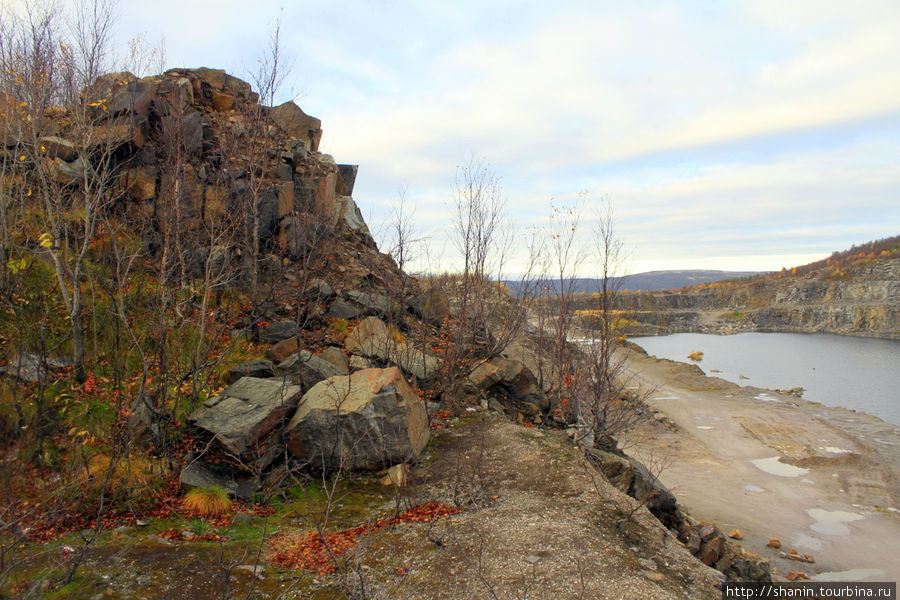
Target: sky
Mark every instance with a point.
(734, 135)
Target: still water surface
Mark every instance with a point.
(858, 373)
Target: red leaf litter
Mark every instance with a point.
(308, 550)
(440, 418)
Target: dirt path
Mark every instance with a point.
(833, 495)
(536, 525)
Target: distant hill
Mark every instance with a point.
(653, 280)
(852, 292)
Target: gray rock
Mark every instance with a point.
(278, 331)
(31, 368)
(192, 132)
(252, 368)
(308, 369)
(241, 518)
(345, 209)
(342, 310)
(70, 173)
(318, 290)
(369, 420)
(257, 571)
(135, 97)
(243, 421)
(26, 367)
(207, 475)
(374, 303)
(143, 424)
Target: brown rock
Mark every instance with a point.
(285, 198)
(298, 124)
(796, 576)
(284, 348)
(736, 534)
(140, 184)
(336, 357)
(711, 551)
(222, 101)
(707, 531)
(371, 331)
(215, 198)
(774, 543)
(398, 476)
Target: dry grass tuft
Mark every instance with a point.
(207, 501)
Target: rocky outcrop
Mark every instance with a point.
(212, 124)
(703, 540)
(863, 300)
(369, 420)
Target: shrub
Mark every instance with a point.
(207, 501)
(696, 356)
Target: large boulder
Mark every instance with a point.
(513, 384)
(369, 420)
(244, 420)
(278, 331)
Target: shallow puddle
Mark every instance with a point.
(807, 542)
(754, 488)
(763, 397)
(831, 522)
(834, 450)
(773, 466)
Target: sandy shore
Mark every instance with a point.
(823, 480)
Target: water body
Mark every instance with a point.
(858, 373)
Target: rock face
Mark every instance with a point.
(513, 384)
(215, 120)
(368, 420)
(241, 421)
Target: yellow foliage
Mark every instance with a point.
(696, 356)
